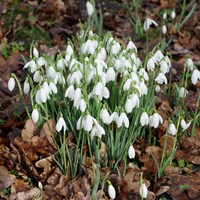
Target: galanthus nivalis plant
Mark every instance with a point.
(98, 91)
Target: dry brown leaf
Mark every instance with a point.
(49, 129)
(30, 194)
(162, 190)
(6, 179)
(28, 131)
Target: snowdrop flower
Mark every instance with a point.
(32, 66)
(41, 62)
(102, 54)
(157, 88)
(151, 64)
(80, 122)
(97, 130)
(111, 191)
(82, 105)
(173, 14)
(164, 29)
(51, 73)
(88, 123)
(110, 74)
(11, 84)
(53, 88)
(114, 116)
(127, 84)
(105, 116)
(131, 152)
(182, 92)
(144, 119)
(161, 78)
(61, 124)
(122, 119)
(60, 64)
(189, 64)
(89, 8)
(70, 92)
(69, 50)
(35, 115)
(143, 74)
(131, 45)
(41, 96)
(195, 76)
(172, 129)
(143, 88)
(131, 103)
(37, 77)
(148, 22)
(184, 125)
(46, 88)
(158, 56)
(26, 88)
(101, 91)
(89, 47)
(35, 53)
(40, 185)
(155, 120)
(164, 66)
(143, 190)
(164, 15)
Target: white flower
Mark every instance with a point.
(144, 119)
(32, 65)
(101, 91)
(164, 29)
(143, 190)
(131, 45)
(173, 14)
(184, 125)
(46, 88)
(97, 130)
(189, 64)
(26, 88)
(37, 77)
(11, 84)
(90, 8)
(161, 78)
(131, 103)
(60, 64)
(115, 48)
(35, 53)
(158, 56)
(195, 76)
(70, 92)
(125, 119)
(53, 88)
(172, 129)
(127, 84)
(35, 115)
(131, 152)
(182, 92)
(114, 116)
(102, 54)
(61, 124)
(143, 88)
(154, 120)
(69, 50)
(148, 22)
(151, 64)
(164, 15)
(144, 74)
(105, 116)
(110, 74)
(51, 73)
(82, 105)
(41, 62)
(41, 96)
(157, 88)
(40, 185)
(80, 123)
(111, 191)
(88, 123)
(164, 66)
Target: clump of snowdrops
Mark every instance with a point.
(101, 92)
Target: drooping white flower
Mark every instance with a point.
(82, 105)
(35, 53)
(101, 91)
(155, 120)
(143, 88)
(131, 103)
(184, 125)
(60, 64)
(37, 77)
(164, 29)
(125, 119)
(51, 72)
(114, 116)
(148, 22)
(157, 88)
(173, 14)
(111, 191)
(158, 56)
(41, 62)
(195, 76)
(172, 129)
(102, 54)
(80, 122)
(32, 65)
(131, 45)
(53, 88)
(182, 92)
(110, 74)
(61, 124)
(35, 115)
(143, 190)
(127, 84)
(97, 130)
(69, 50)
(88, 123)
(26, 88)
(89, 8)
(164, 15)
(70, 92)
(40, 185)
(142, 72)
(105, 116)
(46, 88)
(115, 48)
(41, 96)
(131, 152)
(164, 66)
(190, 64)
(161, 78)
(11, 84)
(151, 64)
(144, 119)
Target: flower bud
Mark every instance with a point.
(26, 87)
(184, 125)
(144, 119)
(35, 115)
(11, 84)
(35, 53)
(61, 124)
(90, 8)
(143, 190)
(173, 14)
(131, 152)
(111, 191)
(172, 129)
(164, 29)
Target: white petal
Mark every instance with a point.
(111, 192)
(88, 123)
(172, 129)
(131, 152)
(35, 115)
(35, 53)
(143, 190)
(11, 84)
(26, 88)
